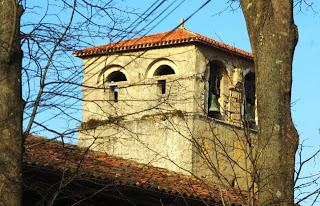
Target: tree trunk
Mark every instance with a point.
(273, 36)
(11, 104)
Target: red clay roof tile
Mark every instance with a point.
(65, 157)
(177, 36)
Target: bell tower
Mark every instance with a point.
(174, 100)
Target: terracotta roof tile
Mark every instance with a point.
(177, 36)
(65, 157)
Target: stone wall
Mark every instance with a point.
(140, 94)
(162, 140)
(221, 152)
(191, 144)
(168, 129)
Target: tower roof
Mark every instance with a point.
(174, 37)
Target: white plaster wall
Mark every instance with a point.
(161, 142)
(140, 95)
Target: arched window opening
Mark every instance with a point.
(116, 77)
(164, 70)
(215, 85)
(250, 91)
(113, 78)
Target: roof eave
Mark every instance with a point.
(157, 45)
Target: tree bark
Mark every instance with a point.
(11, 104)
(273, 36)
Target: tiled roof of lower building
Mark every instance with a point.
(56, 156)
(178, 36)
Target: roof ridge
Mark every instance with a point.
(173, 37)
(189, 31)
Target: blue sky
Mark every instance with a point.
(219, 21)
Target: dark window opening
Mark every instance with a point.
(116, 77)
(162, 86)
(216, 73)
(164, 70)
(250, 88)
(214, 83)
(250, 96)
(114, 93)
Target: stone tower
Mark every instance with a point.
(176, 100)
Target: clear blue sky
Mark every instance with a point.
(218, 21)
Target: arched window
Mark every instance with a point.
(113, 78)
(160, 67)
(216, 86)
(116, 76)
(162, 71)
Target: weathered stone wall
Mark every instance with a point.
(163, 140)
(140, 95)
(202, 146)
(168, 130)
(221, 153)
